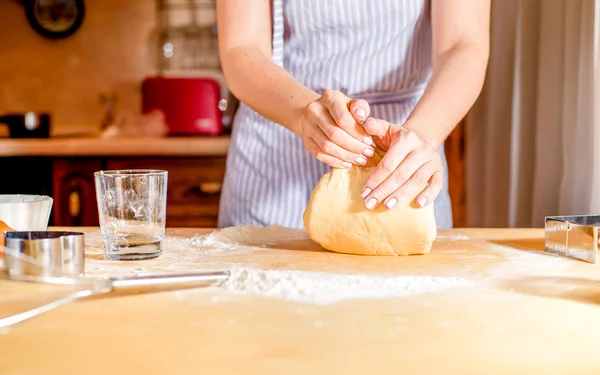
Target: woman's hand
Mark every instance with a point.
(410, 168)
(332, 131)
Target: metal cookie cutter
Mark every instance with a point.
(574, 236)
(45, 255)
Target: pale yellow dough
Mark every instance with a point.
(338, 220)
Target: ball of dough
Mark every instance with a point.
(337, 219)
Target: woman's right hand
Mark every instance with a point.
(332, 130)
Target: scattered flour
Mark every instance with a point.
(587, 255)
(478, 256)
(530, 262)
(452, 237)
(180, 254)
(208, 243)
(249, 236)
(326, 288)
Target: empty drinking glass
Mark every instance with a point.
(132, 210)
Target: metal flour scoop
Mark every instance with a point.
(58, 258)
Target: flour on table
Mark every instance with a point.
(583, 254)
(214, 250)
(529, 262)
(452, 237)
(244, 234)
(478, 256)
(326, 288)
(234, 238)
(218, 241)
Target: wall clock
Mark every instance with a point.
(55, 19)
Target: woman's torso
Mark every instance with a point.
(379, 50)
(375, 49)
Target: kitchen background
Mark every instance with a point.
(99, 87)
(526, 150)
(117, 46)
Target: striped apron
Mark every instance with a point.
(377, 50)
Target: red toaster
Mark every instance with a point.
(191, 105)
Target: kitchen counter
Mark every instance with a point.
(92, 146)
(65, 166)
(484, 301)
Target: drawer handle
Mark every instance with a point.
(211, 187)
(205, 189)
(74, 204)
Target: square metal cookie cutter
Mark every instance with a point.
(574, 236)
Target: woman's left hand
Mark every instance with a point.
(411, 167)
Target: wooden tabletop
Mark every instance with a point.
(520, 311)
(94, 146)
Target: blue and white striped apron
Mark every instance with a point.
(378, 50)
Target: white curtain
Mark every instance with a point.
(532, 138)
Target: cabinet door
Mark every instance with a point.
(455, 155)
(193, 189)
(74, 192)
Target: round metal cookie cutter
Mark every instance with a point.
(43, 256)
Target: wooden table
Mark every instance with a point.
(523, 312)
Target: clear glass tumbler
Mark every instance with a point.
(132, 209)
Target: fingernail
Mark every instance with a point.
(365, 192)
(361, 161)
(346, 164)
(368, 141)
(371, 202)
(391, 202)
(360, 113)
(422, 201)
(368, 152)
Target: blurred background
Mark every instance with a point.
(87, 85)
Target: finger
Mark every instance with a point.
(376, 127)
(432, 190)
(316, 151)
(359, 109)
(337, 105)
(356, 151)
(415, 185)
(333, 148)
(394, 180)
(388, 164)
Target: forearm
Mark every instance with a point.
(454, 86)
(265, 87)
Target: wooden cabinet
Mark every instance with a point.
(74, 192)
(455, 155)
(193, 188)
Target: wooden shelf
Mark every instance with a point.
(68, 147)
